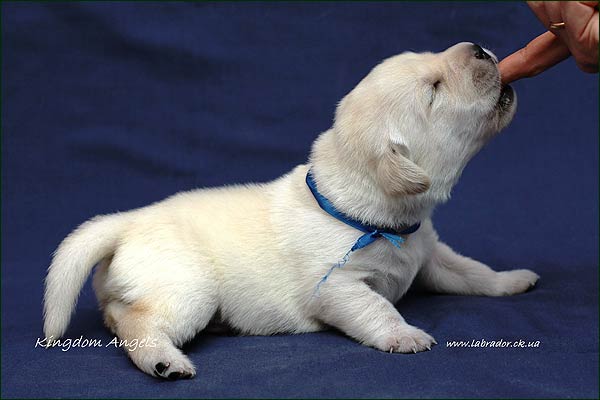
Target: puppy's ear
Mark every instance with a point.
(397, 175)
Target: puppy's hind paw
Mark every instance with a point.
(174, 371)
(166, 363)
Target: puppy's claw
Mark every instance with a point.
(414, 349)
(391, 350)
(428, 347)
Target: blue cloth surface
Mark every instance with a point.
(112, 106)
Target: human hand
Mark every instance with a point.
(578, 36)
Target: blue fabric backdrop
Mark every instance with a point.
(112, 106)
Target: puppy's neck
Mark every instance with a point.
(352, 190)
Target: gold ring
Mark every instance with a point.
(557, 25)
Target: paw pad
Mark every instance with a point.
(161, 367)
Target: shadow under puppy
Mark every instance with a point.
(399, 143)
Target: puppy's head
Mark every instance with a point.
(415, 121)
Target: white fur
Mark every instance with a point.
(251, 256)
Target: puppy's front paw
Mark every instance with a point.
(407, 339)
(515, 282)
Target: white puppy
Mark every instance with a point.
(252, 256)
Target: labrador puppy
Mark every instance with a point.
(259, 257)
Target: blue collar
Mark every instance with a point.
(371, 233)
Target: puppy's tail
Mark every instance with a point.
(72, 263)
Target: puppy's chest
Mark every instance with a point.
(391, 270)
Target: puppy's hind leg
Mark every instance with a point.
(448, 272)
(157, 294)
(150, 337)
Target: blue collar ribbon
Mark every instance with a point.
(371, 233)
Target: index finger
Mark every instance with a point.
(540, 54)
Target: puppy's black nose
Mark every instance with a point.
(480, 53)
